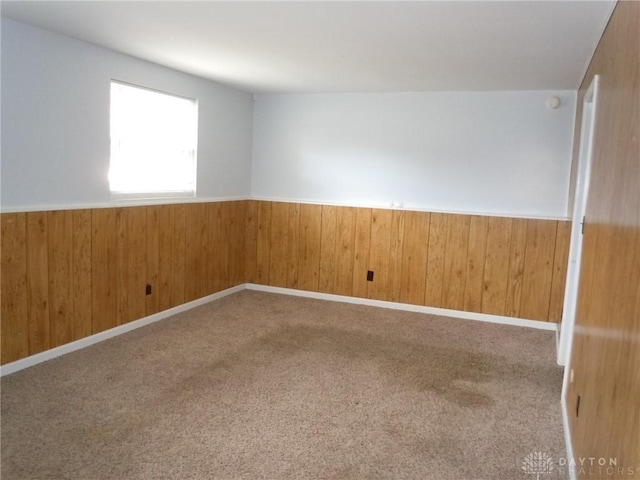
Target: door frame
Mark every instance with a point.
(589, 106)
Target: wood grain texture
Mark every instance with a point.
(462, 262)
(605, 353)
(14, 304)
(560, 265)
(263, 243)
(178, 260)
(496, 266)
(153, 258)
(195, 243)
(216, 255)
(230, 250)
(309, 247)
(122, 265)
(379, 247)
(67, 274)
(131, 263)
(476, 259)
(538, 269)
(396, 256)
(137, 268)
(225, 252)
(326, 280)
(516, 266)
(345, 250)
(251, 241)
(279, 241)
(293, 256)
(89, 268)
(455, 262)
(237, 212)
(81, 274)
(215, 252)
(60, 266)
(38, 282)
(435, 259)
(169, 288)
(361, 252)
(414, 257)
(103, 269)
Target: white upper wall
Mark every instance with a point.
(55, 121)
(502, 153)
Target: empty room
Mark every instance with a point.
(322, 239)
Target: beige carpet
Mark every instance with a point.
(264, 386)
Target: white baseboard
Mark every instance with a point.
(113, 332)
(483, 317)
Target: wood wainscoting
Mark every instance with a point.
(504, 266)
(605, 421)
(68, 274)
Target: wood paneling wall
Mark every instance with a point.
(501, 266)
(606, 345)
(69, 274)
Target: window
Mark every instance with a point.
(154, 140)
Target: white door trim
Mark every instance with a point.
(589, 106)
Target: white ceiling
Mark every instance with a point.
(323, 46)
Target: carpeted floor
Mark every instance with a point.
(258, 385)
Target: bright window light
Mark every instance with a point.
(154, 140)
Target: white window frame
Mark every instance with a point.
(185, 142)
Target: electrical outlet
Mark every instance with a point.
(148, 289)
(369, 276)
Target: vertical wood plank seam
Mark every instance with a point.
(27, 282)
(334, 247)
(506, 284)
(484, 264)
(466, 257)
(401, 256)
(444, 262)
(319, 251)
(369, 255)
(426, 274)
(300, 236)
(426, 263)
(553, 264)
(524, 262)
